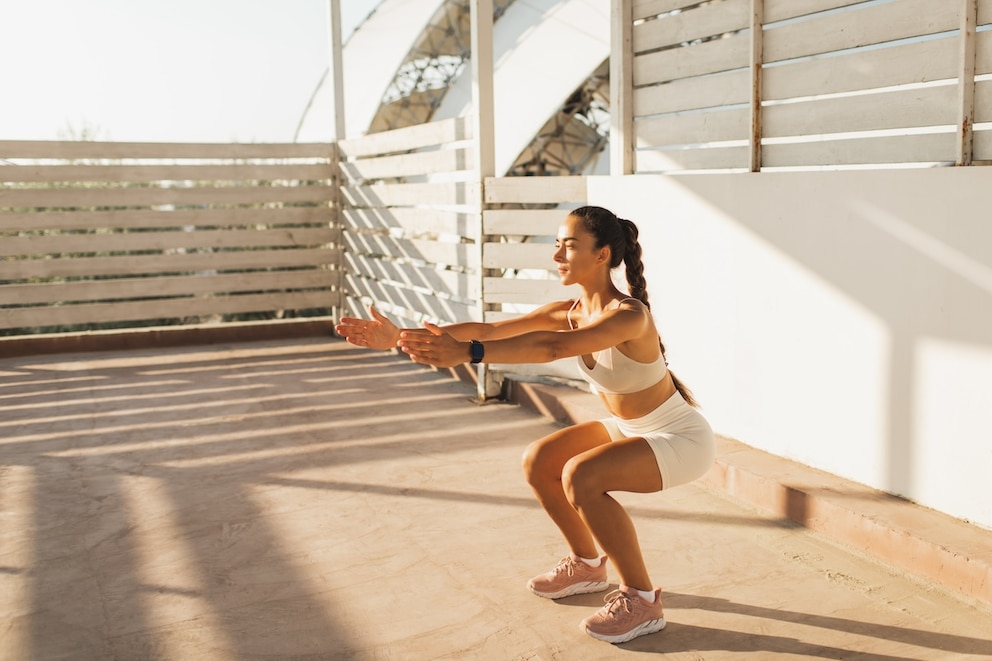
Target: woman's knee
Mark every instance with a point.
(580, 481)
(543, 459)
(535, 462)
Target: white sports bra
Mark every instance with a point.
(617, 373)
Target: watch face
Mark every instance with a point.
(477, 351)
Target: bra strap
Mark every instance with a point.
(568, 315)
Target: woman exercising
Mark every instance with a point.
(654, 438)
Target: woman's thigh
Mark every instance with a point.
(549, 454)
(625, 465)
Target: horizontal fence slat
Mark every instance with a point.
(696, 60)
(524, 290)
(523, 222)
(901, 109)
(403, 165)
(983, 101)
(898, 65)
(155, 196)
(149, 173)
(928, 148)
(546, 190)
(14, 149)
(649, 8)
(983, 146)
(241, 260)
(158, 241)
(155, 219)
(721, 89)
(408, 138)
(127, 288)
(705, 21)
(427, 278)
(781, 10)
(429, 252)
(678, 160)
(180, 308)
(414, 303)
(983, 51)
(402, 316)
(862, 27)
(435, 194)
(716, 126)
(517, 256)
(411, 220)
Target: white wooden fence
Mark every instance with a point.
(761, 84)
(96, 234)
(414, 243)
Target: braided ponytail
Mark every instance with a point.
(633, 265)
(622, 237)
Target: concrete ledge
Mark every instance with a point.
(922, 542)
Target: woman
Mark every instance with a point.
(653, 440)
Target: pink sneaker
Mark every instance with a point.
(570, 576)
(625, 616)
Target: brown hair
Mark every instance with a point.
(621, 236)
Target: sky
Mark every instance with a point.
(163, 70)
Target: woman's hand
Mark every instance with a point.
(433, 346)
(376, 333)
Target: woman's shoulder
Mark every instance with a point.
(631, 302)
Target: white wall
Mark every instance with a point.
(841, 319)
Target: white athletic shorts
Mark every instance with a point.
(681, 438)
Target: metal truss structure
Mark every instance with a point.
(568, 144)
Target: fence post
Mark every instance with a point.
(336, 68)
(481, 18)
(337, 221)
(966, 83)
(621, 88)
(336, 73)
(757, 56)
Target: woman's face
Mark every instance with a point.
(576, 254)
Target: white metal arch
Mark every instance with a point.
(551, 83)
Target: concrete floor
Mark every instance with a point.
(308, 500)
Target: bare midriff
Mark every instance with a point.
(638, 404)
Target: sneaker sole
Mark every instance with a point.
(576, 588)
(643, 629)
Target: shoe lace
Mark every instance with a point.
(565, 565)
(618, 605)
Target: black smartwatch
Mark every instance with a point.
(477, 351)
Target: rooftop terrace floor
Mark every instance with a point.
(310, 500)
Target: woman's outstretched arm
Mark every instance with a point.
(381, 333)
(434, 345)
